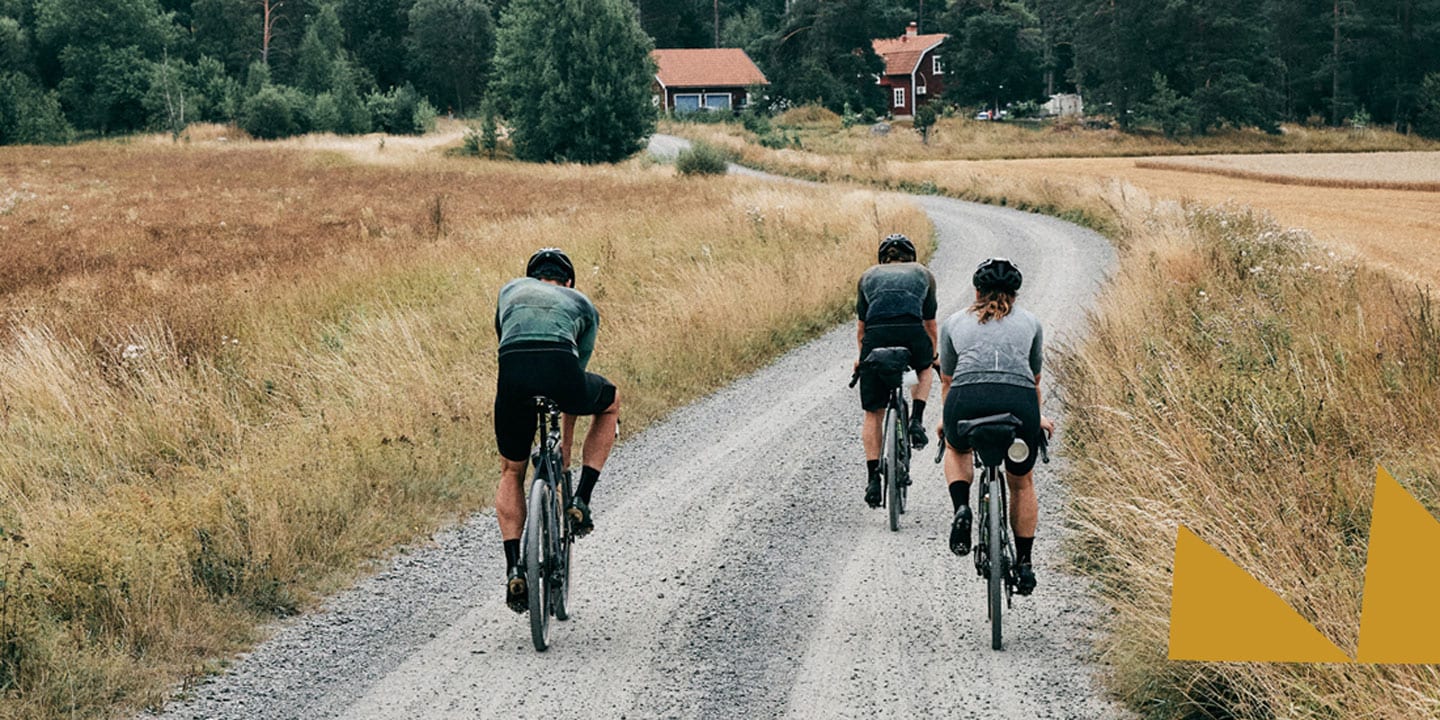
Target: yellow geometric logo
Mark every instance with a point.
(1220, 613)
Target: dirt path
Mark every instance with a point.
(735, 571)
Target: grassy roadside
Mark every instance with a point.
(1239, 378)
(230, 375)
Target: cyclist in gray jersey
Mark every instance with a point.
(990, 360)
(896, 307)
(547, 334)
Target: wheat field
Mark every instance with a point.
(232, 372)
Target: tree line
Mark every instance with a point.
(278, 67)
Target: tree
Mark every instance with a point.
(1000, 54)
(322, 45)
(28, 114)
(1428, 106)
(451, 45)
(925, 121)
(104, 49)
(376, 30)
(226, 30)
(822, 52)
(1174, 113)
(573, 79)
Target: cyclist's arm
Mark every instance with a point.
(932, 328)
(585, 344)
(860, 338)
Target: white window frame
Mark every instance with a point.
(935, 68)
(699, 101)
(729, 101)
(919, 90)
(898, 97)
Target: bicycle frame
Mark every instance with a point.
(895, 459)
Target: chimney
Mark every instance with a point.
(912, 30)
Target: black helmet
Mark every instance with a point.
(550, 259)
(998, 274)
(896, 240)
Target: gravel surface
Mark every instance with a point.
(735, 571)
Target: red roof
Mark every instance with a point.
(706, 68)
(902, 55)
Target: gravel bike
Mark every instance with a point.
(895, 436)
(992, 439)
(548, 533)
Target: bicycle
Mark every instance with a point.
(548, 534)
(992, 439)
(895, 438)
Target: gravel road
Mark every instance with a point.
(735, 571)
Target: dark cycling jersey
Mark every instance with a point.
(896, 294)
(531, 311)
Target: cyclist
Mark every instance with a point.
(896, 308)
(990, 358)
(547, 333)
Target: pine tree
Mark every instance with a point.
(451, 46)
(574, 79)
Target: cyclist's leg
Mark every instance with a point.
(600, 399)
(514, 430)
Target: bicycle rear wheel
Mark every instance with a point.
(903, 433)
(537, 548)
(995, 548)
(892, 466)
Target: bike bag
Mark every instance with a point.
(887, 366)
(989, 436)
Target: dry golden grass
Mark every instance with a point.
(1240, 380)
(963, 139)
(232, 371)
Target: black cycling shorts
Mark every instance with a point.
(548, 369)
(967, 402)
(874, 395)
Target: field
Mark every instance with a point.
(231, 372)
(1354, 171)
(821, 133)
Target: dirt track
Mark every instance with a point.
(735, 571)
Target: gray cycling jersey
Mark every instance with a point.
(529, 310)
(896, 294)
(1008, 350)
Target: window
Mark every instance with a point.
(687, 103)
(899, 97)
(919, 90)
(935, 65)
(717, 101)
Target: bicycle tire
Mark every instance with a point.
(903, 432)
(892, 467)
(537, 526)
(564, 545)
(995, 549)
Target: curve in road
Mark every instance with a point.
(735, 571)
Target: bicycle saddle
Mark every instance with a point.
(989, 436)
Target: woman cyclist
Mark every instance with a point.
(990, 358)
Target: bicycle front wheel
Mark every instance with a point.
(994, 543)
(892, 465)
(538, 530)
(563, 544)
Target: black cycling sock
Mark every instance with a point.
(512, 554)
(872, 467)
(588, 477)
(1023, 546)
(917, 411)
(959, 493)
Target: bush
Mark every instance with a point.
(325, 114)
(402, 111)
(809, 114)
(702, 158)
(275, 112)
(28, 114)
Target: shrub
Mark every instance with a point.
(28, 114)
(402, 111)
(1428, 113)
(274, 113)
(325, 114)
(702, 158)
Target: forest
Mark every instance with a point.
(85, 68)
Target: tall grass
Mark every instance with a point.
(1238, 379)
(231, 375)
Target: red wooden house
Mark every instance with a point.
(687, 80)
(914, 72)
